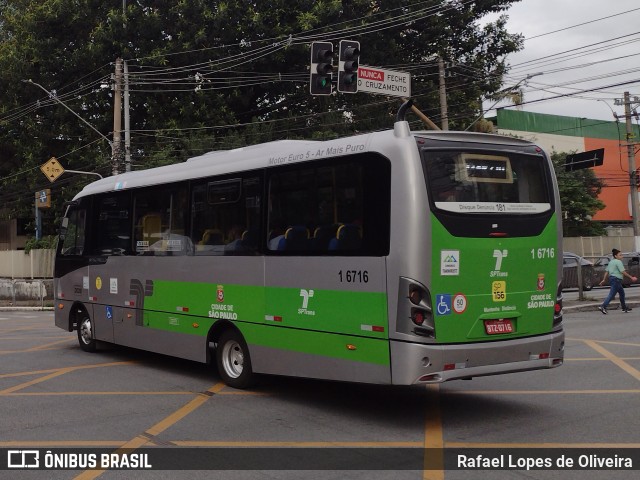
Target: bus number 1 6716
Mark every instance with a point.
(354, 276)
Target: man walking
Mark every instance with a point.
(616, 272)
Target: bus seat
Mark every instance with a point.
(322, 236)
(151, 227)
(295, 238)
(347, 238)
(211, 236)
(249, 239)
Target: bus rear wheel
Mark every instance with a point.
(86, 337)
(233, 360)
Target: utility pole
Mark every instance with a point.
(116, 149)
(633, 178)
(444, 114)
(127, 121)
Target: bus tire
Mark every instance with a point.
(86, 335)
(233, 360)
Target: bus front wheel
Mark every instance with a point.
(232, 358)
(86, 337)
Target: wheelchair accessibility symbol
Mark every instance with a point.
(443, 304)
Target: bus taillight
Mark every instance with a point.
(417, 316)
(557, 309)
(415, 295)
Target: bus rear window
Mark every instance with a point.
(467, 182)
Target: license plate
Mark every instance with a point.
(498, 327)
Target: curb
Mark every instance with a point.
(26, 309)
(593, 306)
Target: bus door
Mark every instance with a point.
(71, 275)
(109, 260)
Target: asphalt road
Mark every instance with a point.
(55, 396)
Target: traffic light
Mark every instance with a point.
(348, 66)
(321, 68)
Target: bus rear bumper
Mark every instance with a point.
(413, 363)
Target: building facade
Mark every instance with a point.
(559, 134)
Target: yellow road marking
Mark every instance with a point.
(184, 411)
(611, 342)
(195, 443)
(55, 374)
(244, 392)
(158, 428)
(61, 443)
(57, 394)
(30, 337)
(62, 371)
(77, 367)
(433, 437)
(540, 445)
(597, 359)
(625, 344)
(540, 392)
(316, 444)
(47, 345)
(616, 360)
(19, 329)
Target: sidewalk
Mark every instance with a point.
(594, 299)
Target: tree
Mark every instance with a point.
(209, 74)
(579, 191)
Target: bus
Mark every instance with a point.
(395, 257)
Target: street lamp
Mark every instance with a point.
(615, 115)
(55, 97)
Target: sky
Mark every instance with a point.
(569, 47)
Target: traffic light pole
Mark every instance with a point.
(38, 222)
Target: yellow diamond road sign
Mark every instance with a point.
(52, 169)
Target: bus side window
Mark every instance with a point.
(337, 206)
(225, 215)
(159, 219)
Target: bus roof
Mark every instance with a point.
(274, 153)
(472, 137)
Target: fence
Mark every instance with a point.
(35, 264)
(598, 246)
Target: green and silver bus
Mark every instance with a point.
(394, 257)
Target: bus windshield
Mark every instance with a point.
(487, 182)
